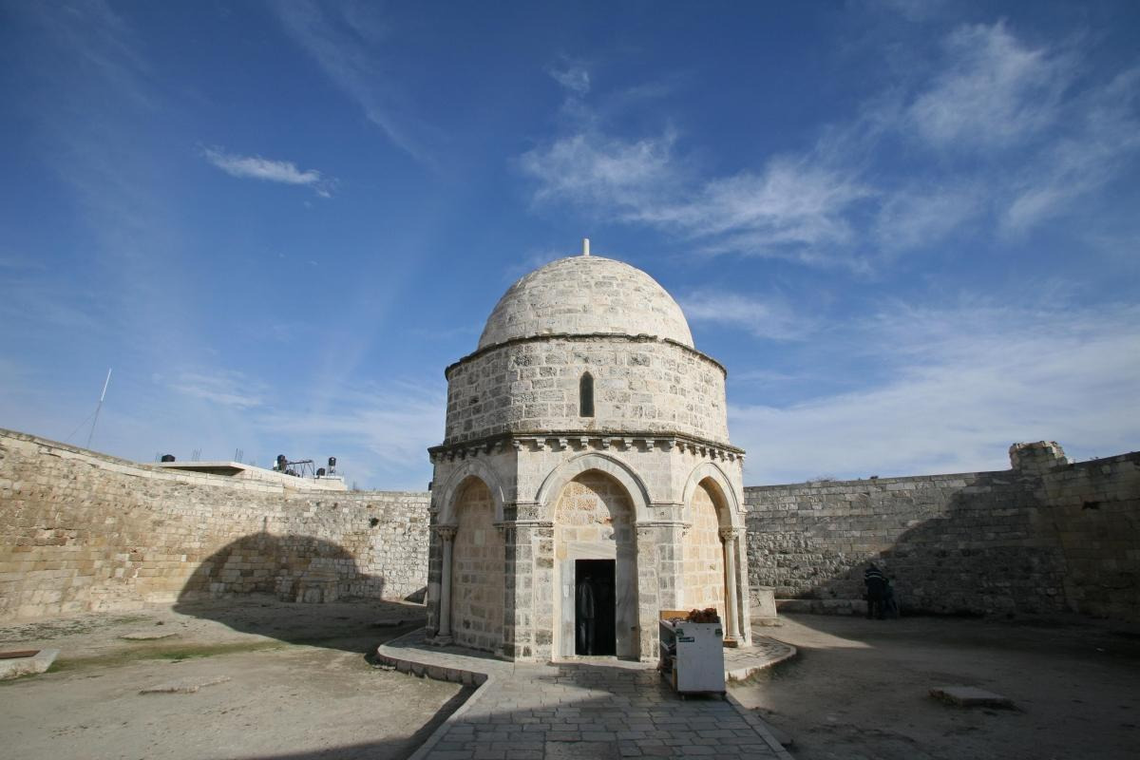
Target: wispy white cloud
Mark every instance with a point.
(994, 91)
(344, 41)
(789, 209)
(762, 317)
(394, 423)
(1106, 140)
(965, 383)
(256, 167)
(227, 388)
(914, 10)
(1004, 131)
(916, 215)
(593, 170)
(574, 77)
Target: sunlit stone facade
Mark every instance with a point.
(586, 444)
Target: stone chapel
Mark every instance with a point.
(586, 480)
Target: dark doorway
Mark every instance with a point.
(594, 607)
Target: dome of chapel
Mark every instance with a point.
(582, 295)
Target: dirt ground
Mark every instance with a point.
(273, 680)
(860, 689)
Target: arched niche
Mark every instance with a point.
(553, 484)
(478, 583)
(721, 487)
(472, 468)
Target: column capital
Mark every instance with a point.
(446, 532)
(730, 534)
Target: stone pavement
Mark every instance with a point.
(593, 708)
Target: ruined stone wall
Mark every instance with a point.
(1044, 537)
(83, 531)
(1095, 511)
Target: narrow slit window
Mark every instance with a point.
(586, 395)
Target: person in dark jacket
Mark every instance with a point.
(585, 613)
(876, 584)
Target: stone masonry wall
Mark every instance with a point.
(1045, 537)
(640, 384)
(83, 531)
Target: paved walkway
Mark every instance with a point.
(595, 708)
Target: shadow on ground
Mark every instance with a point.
(328, 600)
(861, 688)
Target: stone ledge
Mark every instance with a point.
(27, 666)
(765, 652)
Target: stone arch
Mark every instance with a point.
(710, 506)
(476, 468)
(730, 516)
(553, 484)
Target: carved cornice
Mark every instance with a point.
(586, 440)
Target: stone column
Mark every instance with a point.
(443, 633)
(648, 590)
(731, 599)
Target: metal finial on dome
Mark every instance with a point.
(585, 246)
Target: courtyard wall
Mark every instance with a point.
(1046, 536)
(82, 531)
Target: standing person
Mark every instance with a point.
(876, 584)
(586, 612)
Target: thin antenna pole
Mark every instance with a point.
(95, 421)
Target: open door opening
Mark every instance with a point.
(594, 607)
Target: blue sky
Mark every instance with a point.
(908, 229)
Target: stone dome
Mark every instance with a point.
(581, 295)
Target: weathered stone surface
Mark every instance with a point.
(1045, 537)
(184, 686)
(970, 696)
(586, 294)
(26, 666)
(81, 531)
(641, 384)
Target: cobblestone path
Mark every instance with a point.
(584, 710)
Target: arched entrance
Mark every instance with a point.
(477, 570)
(595, 568)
